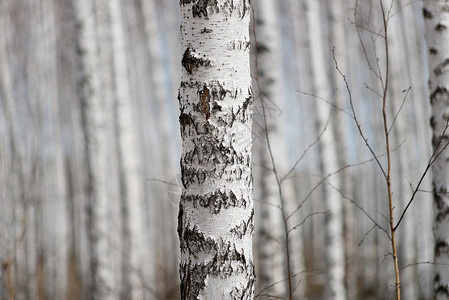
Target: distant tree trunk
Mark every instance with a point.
(73, 145)
(162, 100)
(309, 132)
(436, 15)
(337, 19)
(54, 196)
(335, 288)
(216, 209)
(271, 269)
(14, 263)
(422, 215)
(401, 172)
(129, 160)
(96, 100)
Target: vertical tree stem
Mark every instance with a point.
(387, 143)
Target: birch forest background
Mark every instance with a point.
(90, 148)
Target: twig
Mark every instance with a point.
(359, 127)
(432, 159)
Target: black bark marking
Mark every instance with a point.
(433, 51)
(185, 120)
(190, 62)
(440, 27)
(200, 8)
(442, 68)
(246, 5)
(433, 123)
(261, 49)
(214, 156)
(247, 292)
(204, 101)
(441, 215)
(441, 248)
(190, 84)
(441, 288)
(440, 195)
(205, 30)
(191, 286)
(244, 227)
(226, 261)
(184, 2)
(216, 108)
(218, 92)
(180, 223)
(248, 101)
(216, 201)
(438, 140)
(427, 13)
(440, 94)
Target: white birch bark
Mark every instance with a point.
(216, 209)
(335, 288)
(436, 15)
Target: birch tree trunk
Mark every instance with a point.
(216, 210)
(131, 175)
(338, 15)
(270, 270)
(335, 288)
(158, 58)
(101, 184)
(14, 262)
(436, 15)
(423, 212)
(72, 141)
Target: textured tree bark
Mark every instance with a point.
(216, 209)
(436, 15)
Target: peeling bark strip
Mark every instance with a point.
(436, 14)
(215, 221)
